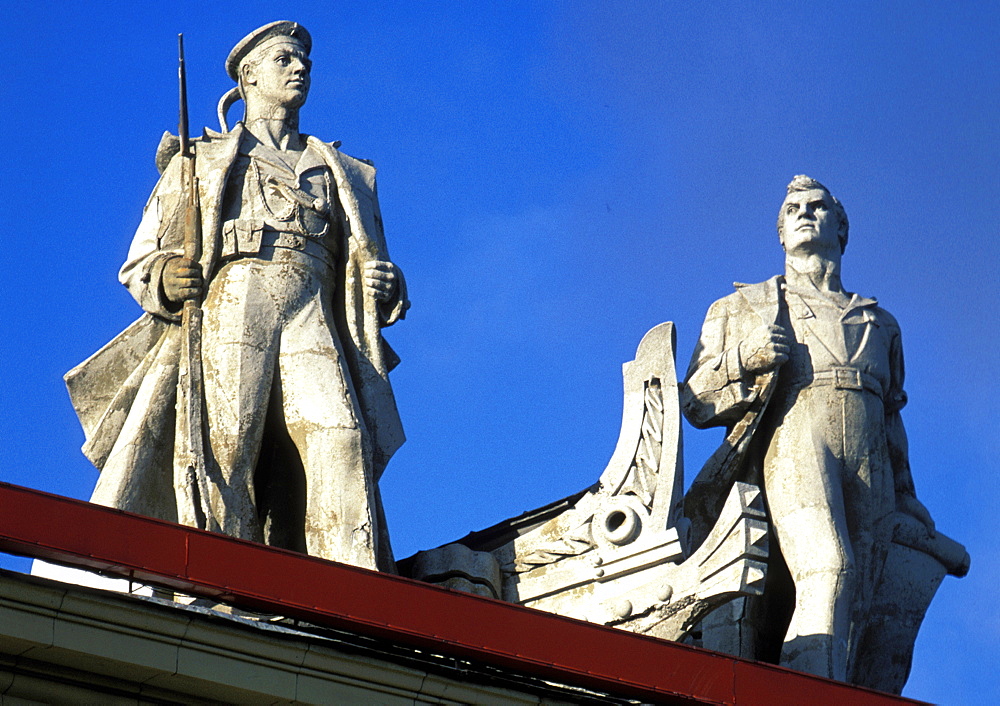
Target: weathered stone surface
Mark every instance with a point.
(456, 566)
(617, 554)
(808, 380)
(287, 372)
(914, 568)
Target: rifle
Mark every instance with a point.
(190, 478)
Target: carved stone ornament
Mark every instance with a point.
(618, 553)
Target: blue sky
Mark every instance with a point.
(556, 178)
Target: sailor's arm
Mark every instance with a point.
(155, 272)
(385, 281)
(720, 380)
(899, 452)
(715, 392)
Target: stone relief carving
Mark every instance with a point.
(618, 553)
(288, 370)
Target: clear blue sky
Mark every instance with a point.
(556, 178)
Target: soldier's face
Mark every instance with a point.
(809, 222)
(280, 76)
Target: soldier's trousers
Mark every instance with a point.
(828, 482)
(274, 366)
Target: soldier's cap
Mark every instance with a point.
(282, 28)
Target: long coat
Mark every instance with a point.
(125, 393)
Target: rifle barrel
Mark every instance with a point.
(182, 123)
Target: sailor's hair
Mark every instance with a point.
(801, 182)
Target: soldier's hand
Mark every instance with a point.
(909, 505)
(765, 349)
(381, 279)
(182, 280)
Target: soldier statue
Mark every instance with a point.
(294, 283)
(808, 379)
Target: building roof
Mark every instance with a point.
(508, 641)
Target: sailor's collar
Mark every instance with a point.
(309, 158)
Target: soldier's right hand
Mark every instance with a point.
(182, 280)
(766, 348)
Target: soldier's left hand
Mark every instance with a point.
(909, 505)
(381, 279)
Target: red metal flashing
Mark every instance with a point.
(398, 609)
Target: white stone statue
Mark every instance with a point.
(299, 416)
(808, 379)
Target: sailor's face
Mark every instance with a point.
(281, 76)
(809, 221)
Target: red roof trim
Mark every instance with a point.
(399, 609)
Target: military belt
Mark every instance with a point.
(843, 378)
(294, 241)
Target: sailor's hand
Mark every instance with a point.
(909, 505)
(766, 348)
(381, 279)
(182, 280)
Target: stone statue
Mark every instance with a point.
(299, 416)
(808, 380)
